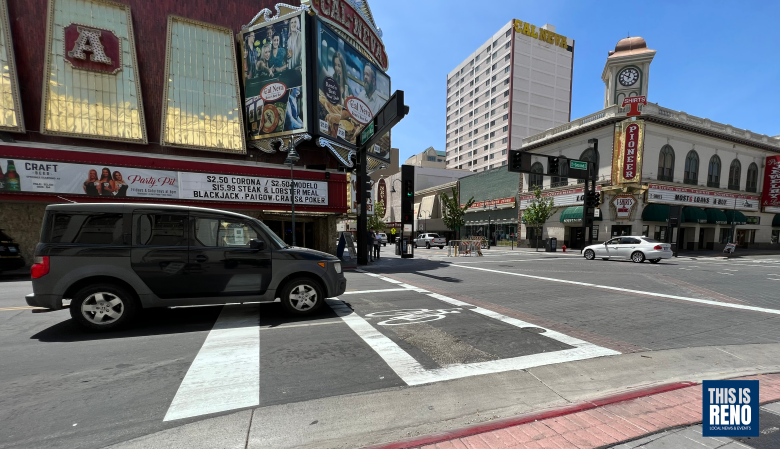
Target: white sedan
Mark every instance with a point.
(636, 248)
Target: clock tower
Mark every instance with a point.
(627, 71)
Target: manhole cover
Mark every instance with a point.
(536, 330)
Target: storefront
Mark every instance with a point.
(566, 222)
(494, 213)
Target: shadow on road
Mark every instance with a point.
(440, 278)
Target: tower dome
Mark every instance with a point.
(630, 45)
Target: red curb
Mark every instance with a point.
(531, 417)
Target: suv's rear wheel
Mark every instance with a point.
(427, 245)
(302, 296)
(103, 307)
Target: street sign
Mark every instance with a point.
(368, 132)
(387, 117)
(392, 231)
(578, 165)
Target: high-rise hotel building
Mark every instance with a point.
(515, 85)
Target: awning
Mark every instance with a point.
(776, 221)
(573, 214)
(715, 216)
(693, 215)
(656, 212)
(500, 216)
(735, 217)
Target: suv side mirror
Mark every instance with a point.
(257, 244)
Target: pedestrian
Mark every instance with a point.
(370, 245)
(377, 242)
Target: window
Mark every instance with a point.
(506, 116)
(535, 178)
(503, 163)
(487, 115)
(491, 155)
(691, 175)
(752, 178)
(735, 170)
(666, 164)
(505, 128)
(493, 134)
(506, 58)
(492, 145)
(508, 44)
(506, 81)
(484, 159)
(506, 94)
(506, 70)
(486, 136)
(503, 152)
(494, 68)
(504, 140)
(160, 229)
(508, 32)
(477, 58)
(492, 122)
(494, 78)
(493, 89)
(86, 229)
(713, 172)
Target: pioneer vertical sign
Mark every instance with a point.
(771, 196)
(627, 160)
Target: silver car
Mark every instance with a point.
(636, 248)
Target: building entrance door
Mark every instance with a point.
(618, 230)
(701, 238)
(577, 238)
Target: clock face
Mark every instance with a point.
(629, 76)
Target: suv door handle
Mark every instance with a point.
(201, 258)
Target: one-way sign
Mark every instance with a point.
(387, 117)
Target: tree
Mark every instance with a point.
(375, 221)
(538, 212)
(453, 213)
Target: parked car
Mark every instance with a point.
(428, 240)
(636, 248)
(382, 237)
(111, 260)
(10, 256)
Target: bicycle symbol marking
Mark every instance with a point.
(408, 316)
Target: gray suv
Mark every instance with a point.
(111, 260)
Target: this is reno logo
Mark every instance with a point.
(359, 110)
(273, 91)
(730, 408)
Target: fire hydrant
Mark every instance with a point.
(563, 248)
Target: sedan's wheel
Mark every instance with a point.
(441, 247)
(427, 245)
(589, 254)
(638, 257)
(103, 307)
(655, 260)
(302, 296)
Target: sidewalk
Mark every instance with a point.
(652, 418)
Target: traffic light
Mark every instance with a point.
(409, 188)
(553, 167)
(519, 161)
(407, 194)
(597, 199)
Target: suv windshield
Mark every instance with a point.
(279, 243)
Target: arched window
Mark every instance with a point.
(535, 179)
(734, 173)
(713, 172)
(590, 156)
(666, 164)
(691, 168)
(752, 178)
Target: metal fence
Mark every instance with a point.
(466, 248)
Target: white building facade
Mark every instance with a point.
(516, 84)
(714, 170)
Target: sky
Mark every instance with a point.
(717, 60)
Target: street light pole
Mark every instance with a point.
(291, 160)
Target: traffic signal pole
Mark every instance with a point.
(362, 218)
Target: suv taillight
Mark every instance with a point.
(658, 247)
(41, 267)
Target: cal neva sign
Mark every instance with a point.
(341, 14)
(730, 408)
(93, 49)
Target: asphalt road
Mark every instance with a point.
(402, 323)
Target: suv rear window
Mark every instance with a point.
(87, 229)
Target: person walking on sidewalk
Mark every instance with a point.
(377, 242)
(370, 244)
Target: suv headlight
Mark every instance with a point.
(337, 267)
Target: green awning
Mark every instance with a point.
(776, 221)
(573, 214)
(656, 212)
(693, 215)
(715, 216)
(735, 217)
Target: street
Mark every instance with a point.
(413, 347)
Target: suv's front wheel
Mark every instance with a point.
(103, 307)
(302, 296)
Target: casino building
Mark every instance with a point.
(723, 176)
(149, 101)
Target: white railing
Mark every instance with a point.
(466, 248)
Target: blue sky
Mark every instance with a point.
(719, 60)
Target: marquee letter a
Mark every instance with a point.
(89, 41)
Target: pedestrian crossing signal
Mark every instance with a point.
(597, 199)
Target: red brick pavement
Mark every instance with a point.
(595, 426)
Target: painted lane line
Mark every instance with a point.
(619, 289)
(502, 261)
(376, 291)
(413, 373)
(225, 374)
(729, 269)
(727, 274)
(5, 309)
(287, 326)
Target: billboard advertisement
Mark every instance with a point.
(274, 62)
(771, 193)
(251, 189)
(85, 179)
(350, 88)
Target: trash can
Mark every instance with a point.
(398, 247)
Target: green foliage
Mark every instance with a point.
(538, 212)
(453, 213)
(375, 221)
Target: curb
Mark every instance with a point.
(533, 416)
